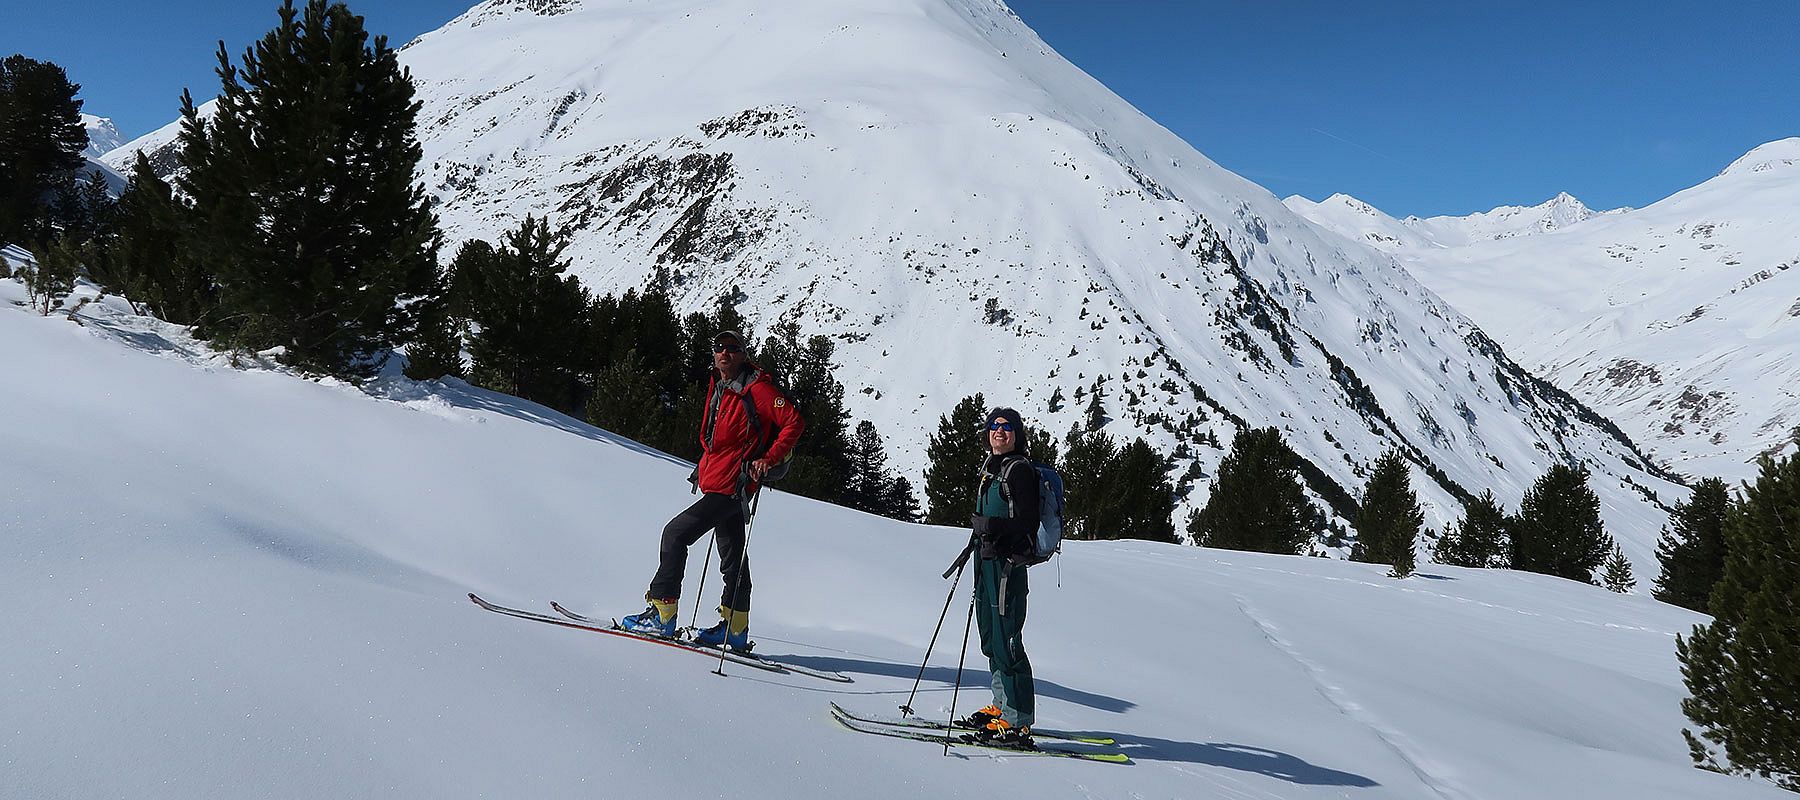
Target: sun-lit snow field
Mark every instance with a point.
(232, 583)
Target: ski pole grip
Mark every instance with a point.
(961, 559)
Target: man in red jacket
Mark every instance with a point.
(747, 429)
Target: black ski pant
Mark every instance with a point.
(724, 515)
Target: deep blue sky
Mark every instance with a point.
(1418, 107)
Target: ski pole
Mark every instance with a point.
(705, 564)
(962, 563)
(951, 725)
(743, 559)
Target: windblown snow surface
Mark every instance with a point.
(226, 582)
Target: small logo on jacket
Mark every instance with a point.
(779, 402)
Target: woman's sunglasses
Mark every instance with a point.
(1001, 426)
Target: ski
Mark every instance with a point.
(942, 738)
(607, 628)
(931, 725)
(794, 668)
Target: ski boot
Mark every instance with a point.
(656, 620)
(979, 719)
(998, 733)
(732, 632)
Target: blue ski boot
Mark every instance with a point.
(720, 634)
(733, 631)
(656, 620)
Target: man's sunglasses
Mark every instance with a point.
(1001, 426)
(721, 347)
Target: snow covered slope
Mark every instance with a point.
(880, 171)
(1679, 321)
(225, 583)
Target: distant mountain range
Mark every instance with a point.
(1679, 320)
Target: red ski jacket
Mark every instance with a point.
(727, 439)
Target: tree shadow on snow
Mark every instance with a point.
(972, 679)
(1244, 758)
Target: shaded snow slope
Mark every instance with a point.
(225, 583)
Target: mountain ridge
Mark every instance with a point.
(1675, 319)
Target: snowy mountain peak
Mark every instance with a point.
(1359, 220)
(1563, 210)
(1779, 154)
(103, 136)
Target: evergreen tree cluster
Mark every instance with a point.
(41, 140)
(1110, 490)
(1742, 670)
(1114, 489)
(296, 223)
(1479, 539)
(1557, 530)
(47, 204)
(1257, 502)
(873, 487)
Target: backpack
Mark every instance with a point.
(1048, 541)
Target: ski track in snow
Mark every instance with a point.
(1392, 585)
(1335, 694)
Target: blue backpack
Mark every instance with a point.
(1050, 510)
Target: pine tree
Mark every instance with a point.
(1558, 529)
(1257, 502)
(954, 455)
(41, 139)
(870, 482)
(1479, 540)
(1388, 523)
(149, 262)
(902, 504)
(820, 467)
(1092, 502)
(1743, 669)
(436, 349)
(532, 320)
(1692, 549)
(1146, 505)
(623, 402)
(1040, 445)
(307, 214)
(1616, 572)
(48, 283)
